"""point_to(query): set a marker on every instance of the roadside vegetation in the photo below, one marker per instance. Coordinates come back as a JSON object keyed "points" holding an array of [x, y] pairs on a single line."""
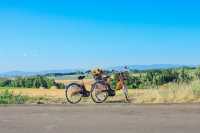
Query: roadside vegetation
{"points": [[20, 96], [8, 97], [171, 93], [176, 85]]}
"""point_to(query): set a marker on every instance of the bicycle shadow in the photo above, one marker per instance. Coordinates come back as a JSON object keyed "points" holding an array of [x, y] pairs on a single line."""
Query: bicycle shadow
{"points": [[119, 101], [116, 101]]}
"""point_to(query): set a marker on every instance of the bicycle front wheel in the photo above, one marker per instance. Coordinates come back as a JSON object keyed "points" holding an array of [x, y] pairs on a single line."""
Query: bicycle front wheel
{"points": [[74, 93], [99, 92]]}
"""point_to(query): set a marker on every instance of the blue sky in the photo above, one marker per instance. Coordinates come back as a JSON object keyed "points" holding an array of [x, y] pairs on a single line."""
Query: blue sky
{"points": [[58, 34]]}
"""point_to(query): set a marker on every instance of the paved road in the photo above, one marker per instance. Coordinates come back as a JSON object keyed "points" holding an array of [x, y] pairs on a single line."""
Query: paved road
{"points": [[109, 118]]}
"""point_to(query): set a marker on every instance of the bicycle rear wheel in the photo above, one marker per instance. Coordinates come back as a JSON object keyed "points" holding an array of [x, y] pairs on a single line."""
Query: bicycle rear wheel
{"points": [[99, 92], [74, 93]]}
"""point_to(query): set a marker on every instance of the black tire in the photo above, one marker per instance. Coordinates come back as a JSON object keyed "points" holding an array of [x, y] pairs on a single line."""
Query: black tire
{"points": [[67, 92], [94, 92]]}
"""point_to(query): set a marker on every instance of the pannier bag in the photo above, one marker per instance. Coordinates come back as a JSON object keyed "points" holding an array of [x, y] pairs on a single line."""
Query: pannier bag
{"points": [[111, 92]]}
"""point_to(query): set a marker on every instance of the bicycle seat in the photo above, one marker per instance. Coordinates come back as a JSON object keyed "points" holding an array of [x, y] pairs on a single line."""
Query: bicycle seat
{"points": [[81, 77]]}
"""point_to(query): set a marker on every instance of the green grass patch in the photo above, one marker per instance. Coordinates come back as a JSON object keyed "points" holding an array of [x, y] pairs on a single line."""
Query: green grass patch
{"points": [[8, 97]]}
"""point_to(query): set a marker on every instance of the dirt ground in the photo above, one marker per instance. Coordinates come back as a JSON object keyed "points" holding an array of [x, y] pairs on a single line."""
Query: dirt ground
{"points": [[101, 118]]}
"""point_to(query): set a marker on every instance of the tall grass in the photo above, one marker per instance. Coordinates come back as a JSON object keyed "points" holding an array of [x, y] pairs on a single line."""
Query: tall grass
{"points": [[8, 97], [172, 93]]}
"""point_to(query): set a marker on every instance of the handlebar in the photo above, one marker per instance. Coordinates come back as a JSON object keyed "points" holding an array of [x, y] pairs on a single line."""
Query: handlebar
{"points": [[126, 69]]}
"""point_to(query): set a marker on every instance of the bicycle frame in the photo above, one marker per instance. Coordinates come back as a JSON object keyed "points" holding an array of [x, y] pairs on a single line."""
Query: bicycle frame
{"points": [[84, 91]]}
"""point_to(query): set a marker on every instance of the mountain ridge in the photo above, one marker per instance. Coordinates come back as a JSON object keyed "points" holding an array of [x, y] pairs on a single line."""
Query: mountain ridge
{"points": [[152, 66], [118, 68]]}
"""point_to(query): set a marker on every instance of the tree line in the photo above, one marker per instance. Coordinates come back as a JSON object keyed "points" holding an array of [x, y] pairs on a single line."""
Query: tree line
{"points": [[155, 78], [30, 82]]}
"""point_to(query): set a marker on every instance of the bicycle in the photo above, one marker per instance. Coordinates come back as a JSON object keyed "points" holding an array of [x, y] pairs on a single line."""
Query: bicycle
{"points": [[100, 90], [102, 86]]}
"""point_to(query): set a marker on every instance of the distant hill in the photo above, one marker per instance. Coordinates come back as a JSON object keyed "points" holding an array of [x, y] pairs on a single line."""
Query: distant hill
{"points": [[66, 71], [148, 67], [16, 73], [25, 74]]}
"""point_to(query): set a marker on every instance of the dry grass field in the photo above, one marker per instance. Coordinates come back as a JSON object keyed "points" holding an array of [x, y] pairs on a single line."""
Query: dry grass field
{"points": [[54, 93], [170, 93]]}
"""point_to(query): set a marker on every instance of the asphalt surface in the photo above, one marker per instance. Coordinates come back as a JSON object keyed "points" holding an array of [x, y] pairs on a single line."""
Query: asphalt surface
{"points": [[108, 118]]}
